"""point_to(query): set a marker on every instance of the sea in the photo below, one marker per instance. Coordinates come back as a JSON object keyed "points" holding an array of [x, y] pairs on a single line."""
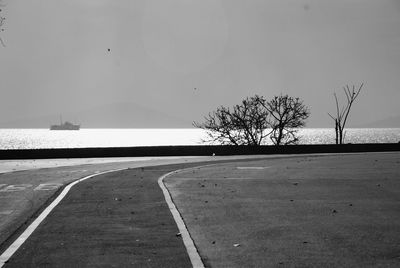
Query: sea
{"points": [[88, 138]]}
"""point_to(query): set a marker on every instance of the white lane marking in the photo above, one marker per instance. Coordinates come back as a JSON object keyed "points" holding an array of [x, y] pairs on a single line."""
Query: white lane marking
{"points": [[32, 227], [219, 178], [233, 178], [187, 240], [23, 187], [6, 212], [252, 167], [16, 188], [47, 186]]}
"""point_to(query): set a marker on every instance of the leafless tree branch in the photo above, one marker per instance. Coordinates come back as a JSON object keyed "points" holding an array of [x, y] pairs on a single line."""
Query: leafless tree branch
{"points": [[343, 113]]}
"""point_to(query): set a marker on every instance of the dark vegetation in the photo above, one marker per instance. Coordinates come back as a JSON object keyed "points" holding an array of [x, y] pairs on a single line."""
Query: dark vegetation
{"points": [[255, 119], [245, 124], [287, 115]]}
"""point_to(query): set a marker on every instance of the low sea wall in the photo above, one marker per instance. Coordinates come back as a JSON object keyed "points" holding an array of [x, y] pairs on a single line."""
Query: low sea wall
{"points": [[197, 150]]}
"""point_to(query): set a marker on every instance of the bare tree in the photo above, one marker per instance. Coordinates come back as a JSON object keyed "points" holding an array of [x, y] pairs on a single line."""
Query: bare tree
{"points": [[256, 119], [343, 112], [287, 114], [245, 124]]}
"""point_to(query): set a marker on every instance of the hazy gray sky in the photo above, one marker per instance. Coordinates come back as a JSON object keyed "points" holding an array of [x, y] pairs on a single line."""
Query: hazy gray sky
{"points": [[56, 57]]}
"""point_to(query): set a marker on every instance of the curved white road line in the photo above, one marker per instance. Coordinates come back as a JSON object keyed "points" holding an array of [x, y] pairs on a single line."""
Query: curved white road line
{"points": [[187, 240], [32, 227]]}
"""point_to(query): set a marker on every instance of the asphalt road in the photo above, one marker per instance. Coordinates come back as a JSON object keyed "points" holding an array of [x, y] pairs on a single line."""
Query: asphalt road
{"points": [[113, 220], [303, 211], [292, 211], [27, 186]]}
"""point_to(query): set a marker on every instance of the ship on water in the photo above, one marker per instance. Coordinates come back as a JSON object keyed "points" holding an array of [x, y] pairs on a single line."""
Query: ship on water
{"points": [[65, 126]]}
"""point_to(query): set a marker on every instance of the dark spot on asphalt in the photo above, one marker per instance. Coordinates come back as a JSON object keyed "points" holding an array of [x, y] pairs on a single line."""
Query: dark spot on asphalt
{"points": [[305, 242], [206, 201], [213, 242], [295, 183], [178, 234], [132, 212], [291, 200], [350, 205], [334, 211], [202, 185]]}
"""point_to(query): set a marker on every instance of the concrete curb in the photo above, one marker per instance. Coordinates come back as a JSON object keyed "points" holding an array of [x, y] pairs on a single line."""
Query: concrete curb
{"points": [[187, 240]]}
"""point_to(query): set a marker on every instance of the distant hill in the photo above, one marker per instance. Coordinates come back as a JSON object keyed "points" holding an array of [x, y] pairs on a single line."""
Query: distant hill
{"points": [[390, 122], [116, 115]]}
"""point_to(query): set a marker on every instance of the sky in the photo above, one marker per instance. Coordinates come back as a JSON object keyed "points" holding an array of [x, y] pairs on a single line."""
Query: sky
{"points": [[187, 57]]}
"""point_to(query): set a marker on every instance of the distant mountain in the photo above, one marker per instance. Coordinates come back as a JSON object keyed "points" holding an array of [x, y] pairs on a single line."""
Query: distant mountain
{"points": [[390, 122], [115, 115], [42, 121]]}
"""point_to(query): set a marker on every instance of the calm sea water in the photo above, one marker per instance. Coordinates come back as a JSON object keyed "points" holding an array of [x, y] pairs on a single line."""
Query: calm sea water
{"points": [[44, 138]]}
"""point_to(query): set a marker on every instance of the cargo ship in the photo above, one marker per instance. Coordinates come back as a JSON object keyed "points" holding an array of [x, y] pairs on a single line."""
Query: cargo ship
{"points": [[65, 126]]}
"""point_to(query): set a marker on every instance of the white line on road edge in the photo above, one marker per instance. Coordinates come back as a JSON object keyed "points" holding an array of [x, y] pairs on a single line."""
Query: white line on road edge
{"points": [[32, 227], [187, 240], [252, 167]]}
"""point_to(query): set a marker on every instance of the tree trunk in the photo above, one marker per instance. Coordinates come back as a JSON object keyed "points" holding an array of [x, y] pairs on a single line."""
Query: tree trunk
{"points": [[340, 135], [336, 132]]}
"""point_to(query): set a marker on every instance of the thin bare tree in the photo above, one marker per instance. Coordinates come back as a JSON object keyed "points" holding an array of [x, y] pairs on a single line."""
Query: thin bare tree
{"points": [[342, 113]]}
